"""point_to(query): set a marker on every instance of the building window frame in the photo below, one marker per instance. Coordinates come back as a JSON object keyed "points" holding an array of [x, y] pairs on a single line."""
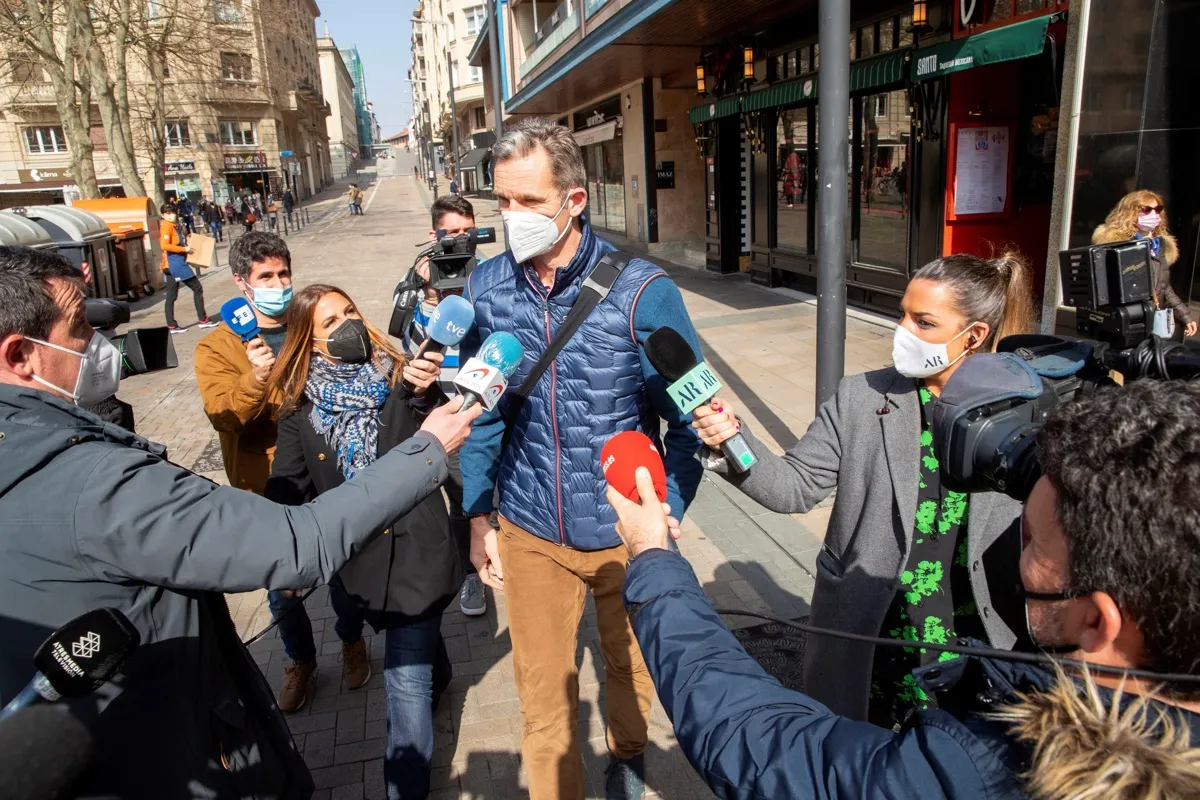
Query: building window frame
{"points": [[475, 17], [237, 67], [233, 132], [176, 133], [44, 140]]}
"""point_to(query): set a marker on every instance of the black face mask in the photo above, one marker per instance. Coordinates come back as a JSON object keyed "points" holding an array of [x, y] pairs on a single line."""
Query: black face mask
{"points": [[349, 342]]}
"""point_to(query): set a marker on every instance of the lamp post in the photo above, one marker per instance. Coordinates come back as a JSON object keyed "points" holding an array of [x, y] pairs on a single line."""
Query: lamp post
{"points": [[494, 59], [450, 76]]}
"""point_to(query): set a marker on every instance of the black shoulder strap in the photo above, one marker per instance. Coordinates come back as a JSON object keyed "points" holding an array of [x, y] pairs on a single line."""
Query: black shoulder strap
{"points": [[596, 287]]}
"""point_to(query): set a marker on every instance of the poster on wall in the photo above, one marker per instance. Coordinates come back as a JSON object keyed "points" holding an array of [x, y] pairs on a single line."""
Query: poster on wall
{"points": [[981, 170]]}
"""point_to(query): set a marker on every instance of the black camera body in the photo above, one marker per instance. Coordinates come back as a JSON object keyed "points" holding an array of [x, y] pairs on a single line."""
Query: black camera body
{"points": [[452, 258], [985, 426]]}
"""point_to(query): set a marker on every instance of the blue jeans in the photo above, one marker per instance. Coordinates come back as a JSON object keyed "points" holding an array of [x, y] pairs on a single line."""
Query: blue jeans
{"points": [[415, 662], [295, 629]]}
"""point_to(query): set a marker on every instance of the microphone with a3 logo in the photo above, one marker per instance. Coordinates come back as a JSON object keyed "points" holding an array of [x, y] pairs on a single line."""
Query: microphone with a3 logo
{"points": [[485, 377], [447, 326], [77, 658]]}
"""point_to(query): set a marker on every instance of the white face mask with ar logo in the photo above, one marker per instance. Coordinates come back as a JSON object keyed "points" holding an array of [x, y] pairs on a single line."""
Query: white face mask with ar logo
{"points": [[916, 358]]}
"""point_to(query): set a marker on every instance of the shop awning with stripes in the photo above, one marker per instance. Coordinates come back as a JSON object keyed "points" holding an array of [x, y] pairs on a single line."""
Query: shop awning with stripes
{"points": [[865, 75], [1009, 43]]}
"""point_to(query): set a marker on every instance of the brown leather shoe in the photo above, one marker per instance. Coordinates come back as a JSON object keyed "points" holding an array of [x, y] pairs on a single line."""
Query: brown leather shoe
{"points": [[356, 667], [294, 691]]}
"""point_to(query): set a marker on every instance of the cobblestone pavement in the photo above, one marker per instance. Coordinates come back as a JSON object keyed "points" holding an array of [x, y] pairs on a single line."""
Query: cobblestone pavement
{"points": [[761, 343]]}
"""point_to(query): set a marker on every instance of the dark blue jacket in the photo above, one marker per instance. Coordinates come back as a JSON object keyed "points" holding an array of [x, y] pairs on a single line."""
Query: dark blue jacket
{"points": [[749, 737], [550, 479]]}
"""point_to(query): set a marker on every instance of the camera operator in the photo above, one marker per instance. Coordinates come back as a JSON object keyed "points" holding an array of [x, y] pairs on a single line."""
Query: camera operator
{"points": [[92, 516], [451, 216], [1108, 574]]}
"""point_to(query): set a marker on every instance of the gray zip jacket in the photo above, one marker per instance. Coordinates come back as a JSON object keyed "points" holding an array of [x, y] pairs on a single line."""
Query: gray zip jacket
{"points": [[93, 516]]}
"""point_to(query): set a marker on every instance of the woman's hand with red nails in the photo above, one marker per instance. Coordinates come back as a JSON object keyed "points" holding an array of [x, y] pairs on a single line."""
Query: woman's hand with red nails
{"points": [[715, 422]]}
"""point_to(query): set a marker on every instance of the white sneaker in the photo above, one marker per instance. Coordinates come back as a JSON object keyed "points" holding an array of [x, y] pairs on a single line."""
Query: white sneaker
{"points": [[471, 599]]}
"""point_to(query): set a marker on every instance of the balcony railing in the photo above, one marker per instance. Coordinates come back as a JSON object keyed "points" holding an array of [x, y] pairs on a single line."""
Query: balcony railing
{"points": [[592, 6], [562, 23]]}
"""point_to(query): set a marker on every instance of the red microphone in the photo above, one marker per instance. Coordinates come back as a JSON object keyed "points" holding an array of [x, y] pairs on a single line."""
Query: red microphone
{"points": [[623, 454]]}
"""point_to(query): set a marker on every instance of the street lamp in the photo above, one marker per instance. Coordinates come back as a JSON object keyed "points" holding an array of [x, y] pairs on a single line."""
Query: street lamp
{"points": [[450, 75]]}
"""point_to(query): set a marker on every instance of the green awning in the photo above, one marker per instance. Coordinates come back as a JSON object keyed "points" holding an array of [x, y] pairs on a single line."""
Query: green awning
{"points": [[726, 106], [1009, 43], [881, 70], [784, 93]]}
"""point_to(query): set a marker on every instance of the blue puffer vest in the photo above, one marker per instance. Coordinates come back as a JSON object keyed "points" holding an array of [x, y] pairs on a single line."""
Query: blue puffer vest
{"points": [[550, 480]]}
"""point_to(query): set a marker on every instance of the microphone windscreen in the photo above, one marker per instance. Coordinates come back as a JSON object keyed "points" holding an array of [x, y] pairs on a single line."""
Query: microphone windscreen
{"points": [[670, 353], [623, 454], [106, 312], [502, 351], [87, 651], [450, 321], [239, 316], [43, 751]]}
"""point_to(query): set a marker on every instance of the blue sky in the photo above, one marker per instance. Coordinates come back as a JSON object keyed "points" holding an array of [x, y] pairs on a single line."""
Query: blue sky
{"points": [[382, 32]]}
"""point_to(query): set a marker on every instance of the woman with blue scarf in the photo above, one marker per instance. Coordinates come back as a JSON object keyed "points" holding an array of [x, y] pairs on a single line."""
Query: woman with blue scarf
{"points": [[343, 406]]}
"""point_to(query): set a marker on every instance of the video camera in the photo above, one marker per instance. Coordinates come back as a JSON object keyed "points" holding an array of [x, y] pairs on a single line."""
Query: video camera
{"points": [[985, 427], [452, 258]]}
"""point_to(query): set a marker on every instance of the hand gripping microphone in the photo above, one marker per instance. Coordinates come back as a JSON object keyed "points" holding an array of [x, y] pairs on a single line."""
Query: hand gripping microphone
{"points": [[77, 658], [239, 316], [43, 751], [447, 326], [692, 385], [623, 454], [485, 377]]}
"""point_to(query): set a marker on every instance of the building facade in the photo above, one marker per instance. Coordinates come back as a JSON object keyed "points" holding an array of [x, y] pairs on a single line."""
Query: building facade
{"points": [[367, 133], [342, 123], [248, 115]]}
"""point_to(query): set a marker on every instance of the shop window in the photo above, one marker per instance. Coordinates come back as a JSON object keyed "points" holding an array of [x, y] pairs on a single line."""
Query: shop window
{"points": [[236, 67], [853, 45], [866, 42], [805, 60], [238, 132], [793, 182], [1000, 10], [793, 66], [176, 133], [887, 35], [883, 194], [816, 64], [905, 35], [45, 139]]}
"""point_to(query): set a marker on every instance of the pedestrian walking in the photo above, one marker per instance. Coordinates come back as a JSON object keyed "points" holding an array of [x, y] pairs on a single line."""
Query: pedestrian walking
{"points": [[353, 200], [187, 212], [892, 514], [1142, 215], [454, 185], [339, 380], [557, 535], [210, 214], [176, 270], [230, 212]]}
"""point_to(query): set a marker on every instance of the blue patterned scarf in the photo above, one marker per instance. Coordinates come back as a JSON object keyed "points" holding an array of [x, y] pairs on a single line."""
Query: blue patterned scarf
{"points": [[346, 401]]}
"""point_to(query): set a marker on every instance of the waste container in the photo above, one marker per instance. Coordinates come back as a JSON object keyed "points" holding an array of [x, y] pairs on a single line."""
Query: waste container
{"points": [[84, 239], [16, 230], [125, 214], [133, 274]]}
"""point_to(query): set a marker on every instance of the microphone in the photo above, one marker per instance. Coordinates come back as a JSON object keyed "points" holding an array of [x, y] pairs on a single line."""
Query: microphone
{"points": [[239, 316], [447, 326], [77, 658], [43, 751], [485, 377], [692, 385], [623, 454]]}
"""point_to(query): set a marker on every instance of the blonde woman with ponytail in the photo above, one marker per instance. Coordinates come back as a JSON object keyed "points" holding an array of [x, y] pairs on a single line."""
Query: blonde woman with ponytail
{"points": [[904, 556]]}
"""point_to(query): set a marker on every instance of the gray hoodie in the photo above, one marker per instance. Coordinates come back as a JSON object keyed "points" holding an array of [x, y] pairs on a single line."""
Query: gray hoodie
{"points": [[93, 516]]}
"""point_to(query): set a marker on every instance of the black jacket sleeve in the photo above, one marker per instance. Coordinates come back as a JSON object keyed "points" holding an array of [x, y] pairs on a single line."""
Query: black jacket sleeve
{"points": [[290, 482]]}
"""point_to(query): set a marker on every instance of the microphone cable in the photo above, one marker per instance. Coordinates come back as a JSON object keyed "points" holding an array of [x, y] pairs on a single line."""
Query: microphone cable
{"points": [[299, 601], [1038, 659]]}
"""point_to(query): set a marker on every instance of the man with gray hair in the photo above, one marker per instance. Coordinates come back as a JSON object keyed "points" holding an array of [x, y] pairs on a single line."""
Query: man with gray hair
{"points": [[557, 534]]}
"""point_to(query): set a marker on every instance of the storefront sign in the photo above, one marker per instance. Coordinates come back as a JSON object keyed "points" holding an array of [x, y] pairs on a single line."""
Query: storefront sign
{"points": [[665, 174], [601, 133], [44, 174], [180, 166], [245, 162], [600, 114]]}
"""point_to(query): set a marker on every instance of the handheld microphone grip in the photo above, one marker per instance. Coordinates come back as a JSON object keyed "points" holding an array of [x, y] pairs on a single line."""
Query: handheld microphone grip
{"points": [[447, 326], [738, 452]]}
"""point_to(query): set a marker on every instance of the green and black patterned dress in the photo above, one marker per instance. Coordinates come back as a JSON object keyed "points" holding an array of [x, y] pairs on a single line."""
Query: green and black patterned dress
{"points": [[933, 601]]}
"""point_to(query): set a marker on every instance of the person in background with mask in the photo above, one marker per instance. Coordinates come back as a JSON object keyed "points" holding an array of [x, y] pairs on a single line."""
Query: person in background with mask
{"points": [[557, 534], [176, 270], [342, 406], [1140, 215], [904, 555], [93, 516]]}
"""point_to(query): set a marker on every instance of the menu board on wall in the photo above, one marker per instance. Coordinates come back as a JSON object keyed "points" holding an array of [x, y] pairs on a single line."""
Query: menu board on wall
{"points": [[981, 167]]}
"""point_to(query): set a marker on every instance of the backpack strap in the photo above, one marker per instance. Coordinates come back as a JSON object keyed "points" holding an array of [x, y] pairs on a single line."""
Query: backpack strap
{"points": [[596, 287]]}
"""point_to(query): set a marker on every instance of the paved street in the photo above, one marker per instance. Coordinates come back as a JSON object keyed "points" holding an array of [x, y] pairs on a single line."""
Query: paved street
{"points": [[761, 343]]}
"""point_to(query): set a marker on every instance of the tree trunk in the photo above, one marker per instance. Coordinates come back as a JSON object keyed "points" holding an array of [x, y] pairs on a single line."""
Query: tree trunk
{"points": [[156, 61]]}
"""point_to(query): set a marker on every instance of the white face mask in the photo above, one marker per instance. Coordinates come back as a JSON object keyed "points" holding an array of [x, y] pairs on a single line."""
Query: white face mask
{"points": [[530, 234], [99, 370], [1148, 222], [916, 358]]}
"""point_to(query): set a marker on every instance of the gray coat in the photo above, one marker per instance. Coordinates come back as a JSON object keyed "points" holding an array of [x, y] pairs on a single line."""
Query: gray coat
{"points": [[865, 442], [93, 516]]}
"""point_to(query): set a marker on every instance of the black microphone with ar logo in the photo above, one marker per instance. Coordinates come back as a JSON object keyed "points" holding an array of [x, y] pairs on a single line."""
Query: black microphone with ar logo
{"points": [[77, 658]]}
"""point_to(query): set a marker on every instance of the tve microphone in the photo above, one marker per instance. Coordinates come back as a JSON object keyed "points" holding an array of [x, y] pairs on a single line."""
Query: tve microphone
{"points": [[447, 326], [78, 658], [239, 316], [485, 377], [623, 454], [43, 751], [692, 385]]}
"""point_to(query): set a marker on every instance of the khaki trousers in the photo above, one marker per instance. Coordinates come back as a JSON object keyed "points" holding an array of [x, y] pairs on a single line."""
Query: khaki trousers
{"points": [[544, 587]]}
